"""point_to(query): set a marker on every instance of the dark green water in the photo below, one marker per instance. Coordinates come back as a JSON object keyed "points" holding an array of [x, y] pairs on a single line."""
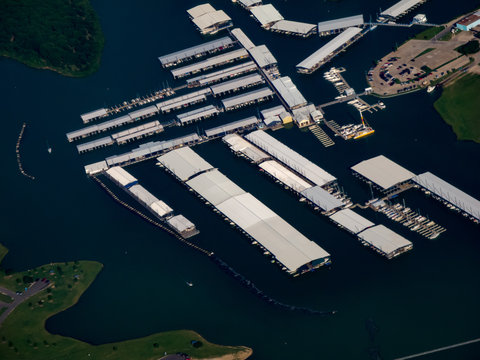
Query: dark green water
{"points": [[422, 300]]}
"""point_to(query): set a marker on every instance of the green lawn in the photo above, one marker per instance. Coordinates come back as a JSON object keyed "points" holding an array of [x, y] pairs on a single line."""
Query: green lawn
{"points": [[64, 36], [458, 106], [429, 33], [5, 298], [23, 334]]}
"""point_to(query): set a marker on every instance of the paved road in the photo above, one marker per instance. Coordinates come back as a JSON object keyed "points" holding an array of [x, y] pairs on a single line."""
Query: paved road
{"points": [[36, 287]]}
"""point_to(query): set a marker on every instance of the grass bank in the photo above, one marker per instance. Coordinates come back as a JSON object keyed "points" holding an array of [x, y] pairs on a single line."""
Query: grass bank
{"points": [[458, 106], [23, 334], [63, 36], [429, 33]]}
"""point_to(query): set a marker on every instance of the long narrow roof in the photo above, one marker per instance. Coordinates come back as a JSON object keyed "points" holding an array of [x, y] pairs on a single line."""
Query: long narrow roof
{"points": [[322, 198], [400, 7], [291, 158], [184, 163], [121, 176], [93, 114], [239, 144], [262, 56], [384, 239], [94, 144], [295, 27], [383, 171], [243, 39], [253, 95], [449, 192], [197, 114], [200, 10], [351, 220], [210, 19], [341, 23], [330, 47], [143, 112], [289, 92], [224, 73], [289, 178], [232, 126], [238, 83], [266, 14], [195, 50]]}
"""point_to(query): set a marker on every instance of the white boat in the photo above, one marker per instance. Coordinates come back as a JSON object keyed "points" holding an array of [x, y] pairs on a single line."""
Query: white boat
{"points": [[430, 89]]}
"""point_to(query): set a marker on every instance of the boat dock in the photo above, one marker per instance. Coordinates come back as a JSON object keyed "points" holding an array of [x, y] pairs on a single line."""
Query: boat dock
{"points": [[224, 74], [321, 135], [246, 99], [17, 150], [197, 115]]}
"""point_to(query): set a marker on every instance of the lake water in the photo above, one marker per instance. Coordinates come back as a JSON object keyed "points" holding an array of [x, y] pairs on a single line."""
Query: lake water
{"points": [[425, 299]]}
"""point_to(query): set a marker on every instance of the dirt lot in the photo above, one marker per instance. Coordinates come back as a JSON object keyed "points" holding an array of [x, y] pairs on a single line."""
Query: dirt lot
{"points": [[414, 64]]}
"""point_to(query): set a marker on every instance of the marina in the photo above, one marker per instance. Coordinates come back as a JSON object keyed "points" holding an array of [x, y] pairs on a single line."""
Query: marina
{"points": [[246, 99], [197, 115], [292, 251], [224, 74], [232, 127], [330, 27], [237, 84], [183, 101], [385, 241], [243, 148], [399, 9], [208, 20], [295, 28], [138, 132]]}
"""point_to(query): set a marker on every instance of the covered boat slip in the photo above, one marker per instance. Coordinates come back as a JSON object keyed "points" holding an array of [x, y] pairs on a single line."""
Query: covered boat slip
{"points": [[237, 84], [285, 176], [449, 193], [137, 132], [151, 149], [243, 39], [143, 196], [332, 26], [197, 114], [322, 198], [385, 241], [289, 92], [196, 52], [92, 115], [223, 74], [95, 144], [183, 101], [266, 15], [290, 158], [182, 225], [350, 220], [121, 177], [262, 56], [249, 98], [241, 146], [400, 8], [234, 126], [383, 172], [294, 28], [95, 129], [210, 63], [184, 163]]}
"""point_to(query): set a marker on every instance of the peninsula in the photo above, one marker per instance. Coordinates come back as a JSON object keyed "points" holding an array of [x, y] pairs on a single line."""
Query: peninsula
{"points": [[63, 36], [55, 287]]}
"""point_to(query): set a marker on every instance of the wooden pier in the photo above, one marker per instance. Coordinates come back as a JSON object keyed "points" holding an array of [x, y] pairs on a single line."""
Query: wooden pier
{"points": [[321, 135]]}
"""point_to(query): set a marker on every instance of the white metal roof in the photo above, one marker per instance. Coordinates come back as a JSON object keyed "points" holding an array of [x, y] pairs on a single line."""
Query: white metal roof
{"points": [[160, 208], [142, 194], [224, 73], [140, 133], [121, 176], [181, 99], [230, 127], [450, 193], [238, 83], [195, 50], [294, 27], [93, 114], [342, 23], [135, 129], [143, 112], [214, 187], [322, 198], [180, 223], [184, 163], [384, 239], [199, 10], [212, 18], [289, 92], [273, 111], [150, 149], [326, 50], [290, 158], [254, 95], [96, 168], [280, 172], [351, 220], [104, 141], [210, 62], [262, 56], [287, 244], [239, 144], [266, 14], [243, 39], [400, 7], [196, 114], [248, 3], [383, 171]]}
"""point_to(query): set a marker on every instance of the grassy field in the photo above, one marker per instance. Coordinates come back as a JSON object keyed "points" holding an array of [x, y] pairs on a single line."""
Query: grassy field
{"points": [[3, 252], [23, 334], [5, 298], [64, 36], [429, 33], [458, 106]]}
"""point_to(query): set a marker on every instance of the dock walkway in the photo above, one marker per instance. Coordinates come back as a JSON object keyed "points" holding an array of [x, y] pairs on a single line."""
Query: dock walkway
{"points": [[321, 135]]}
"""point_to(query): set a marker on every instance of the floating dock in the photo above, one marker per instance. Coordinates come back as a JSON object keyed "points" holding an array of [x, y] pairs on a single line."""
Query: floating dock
{"points": [[451, 196], [336, 26], [94, 115], [234, 126], [237, 84], [223, 74], [138, 132], [197, 115], [196, 52], [385, 241], [95, 144], [287, 90], [287, 247], [262, 57], [329, 50], [209, 63], [291, 158], [266, 15], [242, 147], [399, 9], [243, 39], [246, 99], [183, 101], [208, 20], [295, 28]]}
